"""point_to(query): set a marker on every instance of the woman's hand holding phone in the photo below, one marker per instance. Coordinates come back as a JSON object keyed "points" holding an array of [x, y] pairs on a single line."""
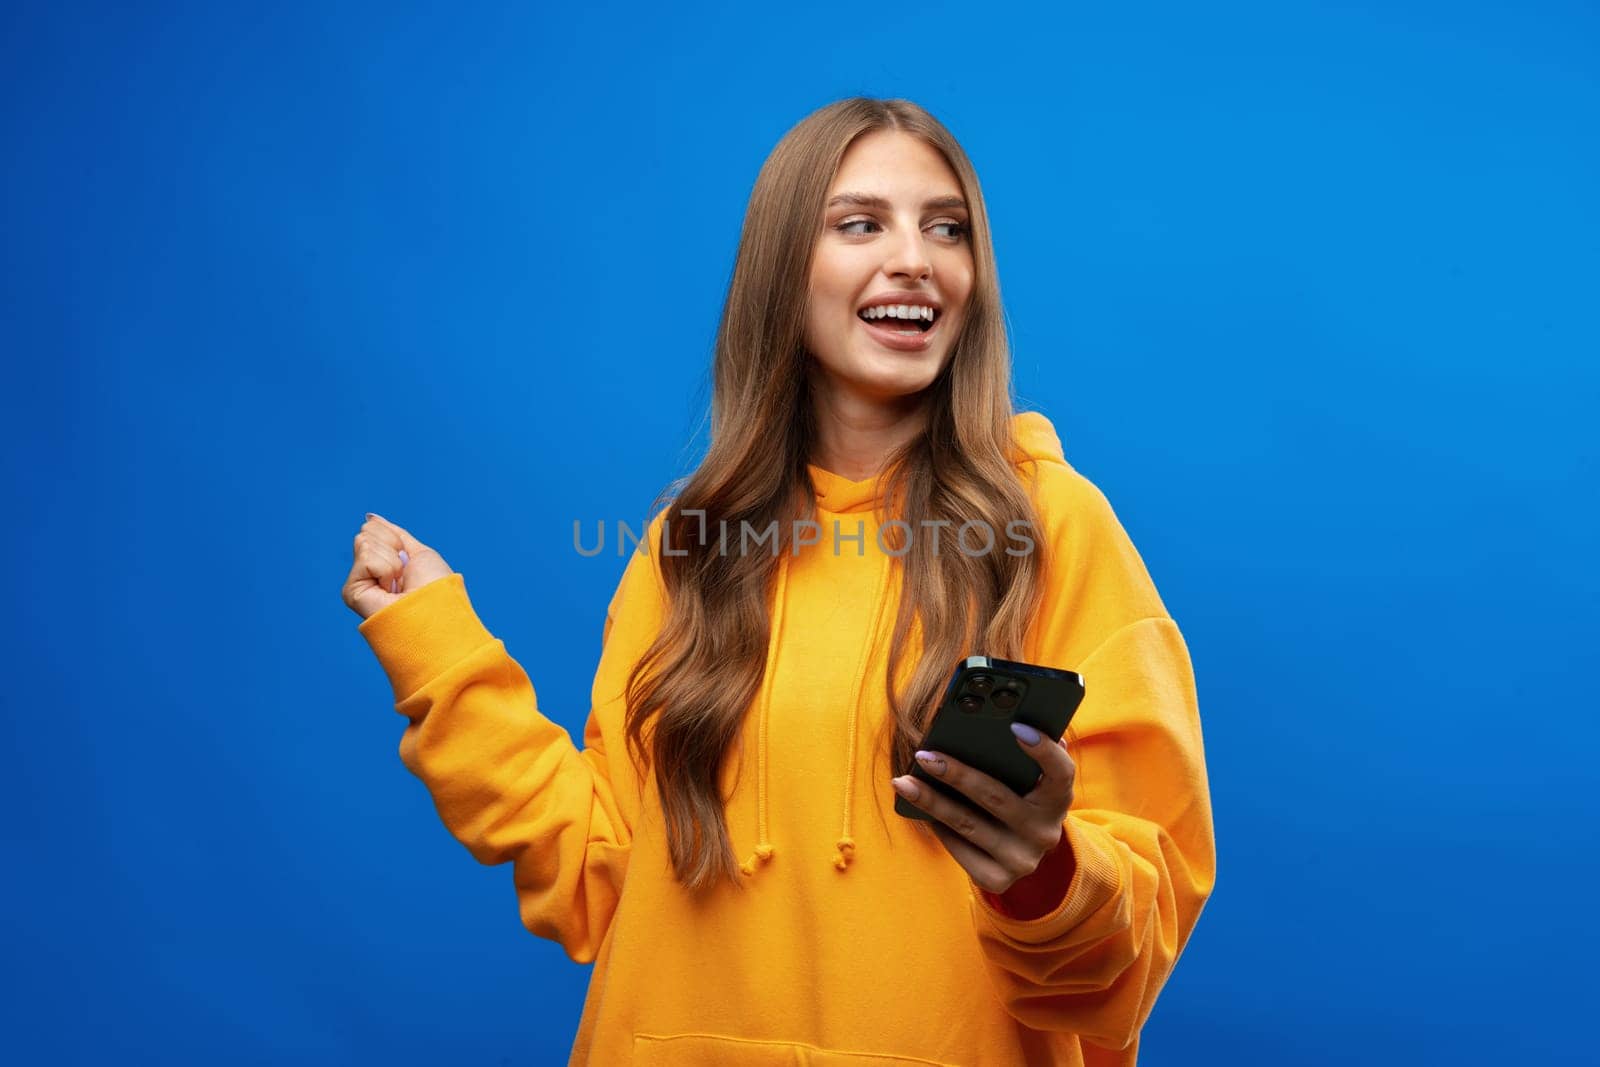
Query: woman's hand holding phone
{"points": [[998, 852], [389, 563]]}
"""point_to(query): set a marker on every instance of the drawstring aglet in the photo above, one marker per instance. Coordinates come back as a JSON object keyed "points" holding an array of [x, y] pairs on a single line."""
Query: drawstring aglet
{"points": [[763, 853]]}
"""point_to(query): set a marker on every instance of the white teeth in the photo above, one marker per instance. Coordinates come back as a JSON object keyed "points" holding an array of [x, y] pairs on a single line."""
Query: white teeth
{"points": [[899, 311]]}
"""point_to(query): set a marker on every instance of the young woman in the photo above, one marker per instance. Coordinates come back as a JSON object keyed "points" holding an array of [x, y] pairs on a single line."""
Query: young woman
{"points": [[870, 511]]}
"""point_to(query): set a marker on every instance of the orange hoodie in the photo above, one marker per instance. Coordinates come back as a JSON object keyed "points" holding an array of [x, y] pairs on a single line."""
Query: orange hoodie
{"points": [[856, 940]]}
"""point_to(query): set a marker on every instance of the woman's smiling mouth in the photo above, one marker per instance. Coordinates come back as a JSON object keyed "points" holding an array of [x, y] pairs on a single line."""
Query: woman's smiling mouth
{"points": [[902, 335], [903, 321]]}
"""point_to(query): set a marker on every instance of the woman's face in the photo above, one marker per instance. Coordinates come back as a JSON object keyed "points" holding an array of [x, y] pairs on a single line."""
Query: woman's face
{"points": [[893, 229]]}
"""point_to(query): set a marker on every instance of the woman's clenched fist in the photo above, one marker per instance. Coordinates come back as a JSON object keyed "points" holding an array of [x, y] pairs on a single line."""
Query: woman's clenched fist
{"points": [[389, 563]]}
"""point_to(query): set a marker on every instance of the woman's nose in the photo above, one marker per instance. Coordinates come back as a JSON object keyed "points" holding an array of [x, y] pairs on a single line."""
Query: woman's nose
{"points": [[909, 257]]}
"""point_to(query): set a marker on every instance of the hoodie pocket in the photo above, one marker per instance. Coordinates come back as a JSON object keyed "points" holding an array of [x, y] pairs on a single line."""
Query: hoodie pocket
{"points": [[711, 1050]]}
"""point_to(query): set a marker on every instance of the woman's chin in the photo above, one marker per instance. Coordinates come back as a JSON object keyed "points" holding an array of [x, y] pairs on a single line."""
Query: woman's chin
{"points": [[874, 372], [895, 376]]}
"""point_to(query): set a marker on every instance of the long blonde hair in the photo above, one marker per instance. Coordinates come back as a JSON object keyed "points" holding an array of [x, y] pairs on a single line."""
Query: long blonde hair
{"points": [[702, 673]]}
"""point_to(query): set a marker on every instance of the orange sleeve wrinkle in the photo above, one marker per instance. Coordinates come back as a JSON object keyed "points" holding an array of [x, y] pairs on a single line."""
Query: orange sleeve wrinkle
{"points": [[1139, 830], [507, 781]]}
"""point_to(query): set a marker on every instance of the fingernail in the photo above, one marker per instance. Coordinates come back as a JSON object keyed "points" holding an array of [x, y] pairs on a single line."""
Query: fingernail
{"points": [[1029, 735], [905, 787], [404, 559], [930, 761], [369, 516]]}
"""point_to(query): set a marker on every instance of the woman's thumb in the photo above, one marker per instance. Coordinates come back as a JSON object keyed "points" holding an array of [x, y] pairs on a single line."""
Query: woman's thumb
{"points": [[410, 544]]}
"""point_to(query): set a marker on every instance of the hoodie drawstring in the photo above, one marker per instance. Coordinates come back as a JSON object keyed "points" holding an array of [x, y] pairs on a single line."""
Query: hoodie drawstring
{"points": [[844, 848], [764, 848]]}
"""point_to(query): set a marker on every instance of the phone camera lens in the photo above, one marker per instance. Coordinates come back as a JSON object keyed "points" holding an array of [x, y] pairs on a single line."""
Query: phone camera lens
{"points": [[981, 684], [970, 703], [1006, 699]]}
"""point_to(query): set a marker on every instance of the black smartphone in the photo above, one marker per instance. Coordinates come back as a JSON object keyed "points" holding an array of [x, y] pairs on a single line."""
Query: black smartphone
{"points": [[973, 723]]}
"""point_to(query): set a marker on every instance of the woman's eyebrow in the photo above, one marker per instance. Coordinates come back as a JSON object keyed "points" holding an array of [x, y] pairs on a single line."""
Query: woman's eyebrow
{"points": [[869, 200]]}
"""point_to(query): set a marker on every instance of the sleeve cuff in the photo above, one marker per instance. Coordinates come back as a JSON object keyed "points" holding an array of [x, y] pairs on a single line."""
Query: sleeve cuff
{"points": [[424, 633], [1094, 881]]}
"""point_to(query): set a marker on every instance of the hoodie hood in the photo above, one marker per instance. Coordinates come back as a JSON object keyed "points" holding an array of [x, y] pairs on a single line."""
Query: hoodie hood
{"points": [[1033, 439]]}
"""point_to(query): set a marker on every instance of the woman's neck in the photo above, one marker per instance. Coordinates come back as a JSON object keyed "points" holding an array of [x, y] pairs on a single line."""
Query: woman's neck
{"points": [[856, 435]]}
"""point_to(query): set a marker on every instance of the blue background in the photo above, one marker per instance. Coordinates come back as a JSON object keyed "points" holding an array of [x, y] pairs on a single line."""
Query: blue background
{"points": [[1309, 291]]}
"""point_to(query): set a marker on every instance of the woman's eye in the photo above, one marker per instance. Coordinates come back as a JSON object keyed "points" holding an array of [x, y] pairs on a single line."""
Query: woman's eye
{"points": [[957, 229]]}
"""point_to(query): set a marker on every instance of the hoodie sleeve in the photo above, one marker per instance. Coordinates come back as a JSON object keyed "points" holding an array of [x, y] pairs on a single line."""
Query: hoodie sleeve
{"points": [[1140, 826], [508, 782]]}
